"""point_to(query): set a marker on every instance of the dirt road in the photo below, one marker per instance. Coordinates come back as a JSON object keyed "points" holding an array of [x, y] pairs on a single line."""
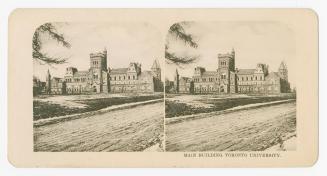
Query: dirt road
{"points": [[247, 130], [132, 129]]}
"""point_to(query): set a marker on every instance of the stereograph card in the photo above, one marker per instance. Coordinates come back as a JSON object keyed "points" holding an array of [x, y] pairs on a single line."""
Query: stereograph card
{"points": [[163, 88]]}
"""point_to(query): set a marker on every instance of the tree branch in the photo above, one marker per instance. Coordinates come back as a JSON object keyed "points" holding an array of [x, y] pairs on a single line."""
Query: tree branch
{"points": [[49, 29], [171, 58], [179, 32]]}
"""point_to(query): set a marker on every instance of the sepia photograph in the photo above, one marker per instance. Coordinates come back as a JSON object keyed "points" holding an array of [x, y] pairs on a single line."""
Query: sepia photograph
{"points": [[97, 87], [230, 86], [189, 88]]}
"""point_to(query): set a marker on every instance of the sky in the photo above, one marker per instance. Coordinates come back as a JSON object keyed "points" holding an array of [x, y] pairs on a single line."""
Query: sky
{"points": [[268, 42], [125, 43]]}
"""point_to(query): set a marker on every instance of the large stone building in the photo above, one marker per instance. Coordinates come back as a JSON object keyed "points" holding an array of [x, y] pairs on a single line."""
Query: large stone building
{"points": [[133, 79], [228, 79], [100, 79]]}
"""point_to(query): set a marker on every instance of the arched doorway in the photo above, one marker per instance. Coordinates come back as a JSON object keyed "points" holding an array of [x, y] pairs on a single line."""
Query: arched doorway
{"points": [[222, 89]]}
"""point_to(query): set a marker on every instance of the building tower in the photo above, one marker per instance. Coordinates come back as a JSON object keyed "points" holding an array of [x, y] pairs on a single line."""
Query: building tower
{"points": [[99, 60], [226, 64], [282, 71], [176, 81], [48, 83], [233, 54], [156, 70], [98, 70]]}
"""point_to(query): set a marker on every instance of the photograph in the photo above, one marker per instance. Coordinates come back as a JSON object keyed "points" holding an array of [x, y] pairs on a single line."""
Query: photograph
{"points": [[97, 87], [230, 86], [167, 88]]}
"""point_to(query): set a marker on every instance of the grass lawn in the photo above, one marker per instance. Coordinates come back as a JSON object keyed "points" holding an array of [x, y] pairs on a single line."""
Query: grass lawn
{"points": [[176, 108], [47, 109]]}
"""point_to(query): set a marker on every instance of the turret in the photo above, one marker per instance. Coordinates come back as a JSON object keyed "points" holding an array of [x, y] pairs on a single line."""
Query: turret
{"points": [[176, 81], [156, 70], [48, 82], [283, 72]]}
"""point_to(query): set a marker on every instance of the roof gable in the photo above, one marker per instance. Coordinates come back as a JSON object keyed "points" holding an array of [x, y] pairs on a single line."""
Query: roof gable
{"points": [[118, 70], [245, 71]]}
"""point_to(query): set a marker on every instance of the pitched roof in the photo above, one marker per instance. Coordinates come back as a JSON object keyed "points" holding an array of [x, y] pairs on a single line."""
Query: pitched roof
{"points": [[210, 73], [273, 75], [185, 78], [245, 71], [81, 73], [57, 78], [146, 74], [118, 70]]}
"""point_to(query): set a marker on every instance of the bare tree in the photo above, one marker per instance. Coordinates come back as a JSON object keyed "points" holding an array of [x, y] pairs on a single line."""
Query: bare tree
{"points": [[177, 30], [50, 30]]}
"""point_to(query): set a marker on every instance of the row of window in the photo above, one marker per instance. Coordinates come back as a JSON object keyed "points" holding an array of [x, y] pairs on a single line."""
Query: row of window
{"points": [[250, 89], [223, 63], [223, 76], [76, 89], [124, 77], [96, 77], [250, 78], [205, 79], [95, 62], [80, 79], [251, 83], [127, 82], [198, 89], [129, 88]]}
